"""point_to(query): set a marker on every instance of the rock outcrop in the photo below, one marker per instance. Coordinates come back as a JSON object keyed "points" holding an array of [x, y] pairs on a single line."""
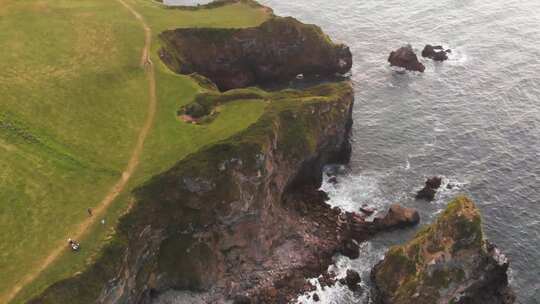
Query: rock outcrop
{"points": [[437, 52], [397, 217], [405, 57], [352, 279], [430, 189], [447, 262], [274, 52]]}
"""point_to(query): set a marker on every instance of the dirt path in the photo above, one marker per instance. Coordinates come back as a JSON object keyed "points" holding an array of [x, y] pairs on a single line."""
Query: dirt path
{"points": [[113, 193]]}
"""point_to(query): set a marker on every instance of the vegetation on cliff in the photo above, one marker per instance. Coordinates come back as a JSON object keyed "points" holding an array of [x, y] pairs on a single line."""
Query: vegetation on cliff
{"points": [[447, 262]]}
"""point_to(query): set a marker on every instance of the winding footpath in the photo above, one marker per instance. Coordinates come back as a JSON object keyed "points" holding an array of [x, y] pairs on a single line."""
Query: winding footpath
{"points": [[120, 185]]}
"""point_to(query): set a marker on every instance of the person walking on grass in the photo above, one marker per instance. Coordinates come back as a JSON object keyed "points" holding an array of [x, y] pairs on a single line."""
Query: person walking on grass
{"points": [[89, 211]]}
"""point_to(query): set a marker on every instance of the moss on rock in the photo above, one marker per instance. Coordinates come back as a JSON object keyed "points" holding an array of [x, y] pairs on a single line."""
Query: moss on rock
{"points": [[441, 263]]}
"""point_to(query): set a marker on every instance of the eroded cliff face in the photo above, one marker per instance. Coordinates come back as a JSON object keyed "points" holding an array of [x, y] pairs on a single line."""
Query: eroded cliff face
{"points": [[447, 262], [220, 222], [239, 220], [274, 52]]}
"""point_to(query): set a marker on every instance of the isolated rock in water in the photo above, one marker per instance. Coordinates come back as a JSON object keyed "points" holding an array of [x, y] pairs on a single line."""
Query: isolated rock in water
{"points": [[436, 53], [406, 58], [276, 51], [430, 189], [397, 217], [316, 297], [351, 279], [447, 262]]}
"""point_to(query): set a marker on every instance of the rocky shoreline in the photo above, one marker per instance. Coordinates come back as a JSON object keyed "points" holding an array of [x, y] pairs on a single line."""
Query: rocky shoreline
{"points": [[243, 220]]}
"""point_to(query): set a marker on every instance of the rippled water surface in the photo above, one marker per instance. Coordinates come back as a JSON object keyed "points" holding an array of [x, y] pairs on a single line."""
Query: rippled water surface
{"points": [[474, 119]]}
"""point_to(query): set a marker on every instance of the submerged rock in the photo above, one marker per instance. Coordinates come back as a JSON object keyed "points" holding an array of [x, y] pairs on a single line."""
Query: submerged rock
{"points": [[447, 262], [430, 189], [352, 279], [278, 50], [436, 53], [406, 58]]}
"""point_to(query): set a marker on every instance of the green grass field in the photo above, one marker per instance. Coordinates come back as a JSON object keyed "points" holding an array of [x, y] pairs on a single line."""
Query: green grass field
{"points": [[72, 101]]}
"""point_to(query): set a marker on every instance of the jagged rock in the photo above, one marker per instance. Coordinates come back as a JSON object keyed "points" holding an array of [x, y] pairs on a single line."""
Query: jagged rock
{"points": [[367, 210], [406, 58], [436, 53], [352, 279], [276, 51], [447, 262], [333, 180], [397, 217], [350, 249], [430, 189], [316, 297]]}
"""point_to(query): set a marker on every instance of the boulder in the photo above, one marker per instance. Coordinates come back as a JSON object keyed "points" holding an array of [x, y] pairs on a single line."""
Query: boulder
{"points": [[436, 53], [406, 58], [447, 262], [430, 189], [352, 279], [367, 210], [397, 217], [316, 298]]}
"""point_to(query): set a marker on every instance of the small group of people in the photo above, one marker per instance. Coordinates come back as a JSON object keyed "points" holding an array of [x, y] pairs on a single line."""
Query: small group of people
{"points": [[74, 245]]}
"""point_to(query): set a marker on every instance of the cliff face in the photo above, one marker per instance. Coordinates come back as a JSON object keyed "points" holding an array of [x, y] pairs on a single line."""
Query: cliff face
{"points": [[275, 51], [219, 221], [447, 262], [241, 219]]}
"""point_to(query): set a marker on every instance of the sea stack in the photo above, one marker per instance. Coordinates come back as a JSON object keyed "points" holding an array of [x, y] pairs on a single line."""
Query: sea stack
{"points": [[436, 52], [449, 261], [405, 57]]}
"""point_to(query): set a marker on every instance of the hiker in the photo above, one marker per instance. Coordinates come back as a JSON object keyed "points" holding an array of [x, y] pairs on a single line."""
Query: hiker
{"points": [[74, 245], [89, 211]]}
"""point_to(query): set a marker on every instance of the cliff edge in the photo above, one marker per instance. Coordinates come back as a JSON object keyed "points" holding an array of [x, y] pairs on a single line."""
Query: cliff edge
{"points": [[274, 52]]}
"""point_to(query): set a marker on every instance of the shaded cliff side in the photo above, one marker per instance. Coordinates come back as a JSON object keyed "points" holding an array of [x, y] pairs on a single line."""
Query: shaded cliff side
{"points": [[447, 262], [276, 51]]}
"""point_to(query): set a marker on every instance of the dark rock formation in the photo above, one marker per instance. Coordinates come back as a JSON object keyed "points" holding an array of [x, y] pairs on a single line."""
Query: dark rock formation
{"points": [[436, 53], [276, 51], [430, 189], [406, 58], [316, 298], [352, 280], [397, 217], [447, 262]]}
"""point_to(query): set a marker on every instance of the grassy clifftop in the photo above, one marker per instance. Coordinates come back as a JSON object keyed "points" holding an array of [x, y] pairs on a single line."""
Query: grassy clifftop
{"points": [[74, 99]]}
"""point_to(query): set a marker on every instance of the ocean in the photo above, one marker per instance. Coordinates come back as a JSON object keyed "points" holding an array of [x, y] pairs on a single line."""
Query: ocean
{"points": [[474, 119]]}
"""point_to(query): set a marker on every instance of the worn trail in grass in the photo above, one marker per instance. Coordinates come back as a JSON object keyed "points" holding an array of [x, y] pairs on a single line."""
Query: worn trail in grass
{"points": [[74, 101], [147, 64]]}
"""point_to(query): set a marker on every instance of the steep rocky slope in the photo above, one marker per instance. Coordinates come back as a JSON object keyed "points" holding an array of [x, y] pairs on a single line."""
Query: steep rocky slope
{"points": [[447, 262], [275, 51]]}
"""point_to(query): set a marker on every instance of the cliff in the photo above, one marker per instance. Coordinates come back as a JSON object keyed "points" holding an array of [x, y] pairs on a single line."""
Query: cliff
{"points": [[229, 220], [447, 262], [276, 51]]}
